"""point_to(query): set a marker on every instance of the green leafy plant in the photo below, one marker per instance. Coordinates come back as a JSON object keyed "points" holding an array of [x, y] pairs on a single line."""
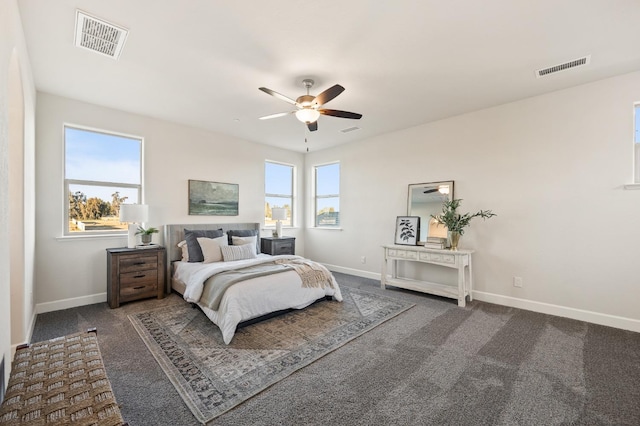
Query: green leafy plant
{"points": [[147, 231], [456, 222]]}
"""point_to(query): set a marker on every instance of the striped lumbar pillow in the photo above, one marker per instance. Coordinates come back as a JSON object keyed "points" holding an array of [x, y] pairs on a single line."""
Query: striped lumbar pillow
{"points": [[245, 251]]}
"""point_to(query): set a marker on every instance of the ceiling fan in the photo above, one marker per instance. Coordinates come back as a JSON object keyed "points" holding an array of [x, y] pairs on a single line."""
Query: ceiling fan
{"points": [[308, 107], [442, 189]]}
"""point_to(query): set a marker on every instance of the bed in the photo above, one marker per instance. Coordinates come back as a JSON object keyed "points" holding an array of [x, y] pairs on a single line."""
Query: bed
{"points": [[255, 286]]}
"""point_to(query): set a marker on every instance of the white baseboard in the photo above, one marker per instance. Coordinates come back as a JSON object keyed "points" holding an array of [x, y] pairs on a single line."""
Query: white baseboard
{"points": [[58, 305], [356, 272], [32, 325], [529, 305], [560, 311]]}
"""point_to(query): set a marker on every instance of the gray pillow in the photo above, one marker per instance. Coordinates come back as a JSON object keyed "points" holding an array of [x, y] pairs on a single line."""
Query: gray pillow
{"points": [[193, 246], [243, 233]]}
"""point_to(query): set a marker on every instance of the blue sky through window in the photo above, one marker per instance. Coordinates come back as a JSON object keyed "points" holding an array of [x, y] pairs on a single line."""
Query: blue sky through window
{"points": [[278, 178], [101, 157], [328, 179]]}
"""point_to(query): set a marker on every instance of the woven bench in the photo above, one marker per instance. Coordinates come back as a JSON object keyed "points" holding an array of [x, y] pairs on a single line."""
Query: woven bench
{"points": [[60, 381]]}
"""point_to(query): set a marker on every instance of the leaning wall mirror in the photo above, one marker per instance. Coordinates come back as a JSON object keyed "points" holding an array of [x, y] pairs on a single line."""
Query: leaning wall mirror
{"points": [[424, 200]]}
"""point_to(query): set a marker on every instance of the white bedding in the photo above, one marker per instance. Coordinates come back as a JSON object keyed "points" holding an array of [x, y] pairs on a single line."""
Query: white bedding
{"points": [[252, 298]]}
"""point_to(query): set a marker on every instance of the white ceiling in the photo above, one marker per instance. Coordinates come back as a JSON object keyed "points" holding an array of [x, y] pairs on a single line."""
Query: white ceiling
{"points": [[402, 62]]}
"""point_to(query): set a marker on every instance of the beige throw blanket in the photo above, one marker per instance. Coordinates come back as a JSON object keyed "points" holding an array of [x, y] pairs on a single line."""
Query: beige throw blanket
{"points": [[311, 273]]}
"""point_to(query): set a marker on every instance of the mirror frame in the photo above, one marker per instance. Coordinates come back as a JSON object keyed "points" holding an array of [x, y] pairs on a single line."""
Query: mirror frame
{"points": [[425, 220]]}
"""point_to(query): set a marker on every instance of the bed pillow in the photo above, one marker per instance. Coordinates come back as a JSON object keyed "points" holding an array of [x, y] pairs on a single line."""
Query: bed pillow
{"points": [[193, 247], [244, 233], [185, 251], [240, 241], [211, 248], [245, 251]]}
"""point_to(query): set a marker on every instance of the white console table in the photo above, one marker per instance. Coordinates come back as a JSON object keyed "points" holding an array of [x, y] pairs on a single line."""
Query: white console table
{"points": [[458, 259]]}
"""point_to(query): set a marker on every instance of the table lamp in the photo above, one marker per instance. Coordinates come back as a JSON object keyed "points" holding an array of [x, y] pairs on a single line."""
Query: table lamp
{"points": [[134, 214], [278, 215]]}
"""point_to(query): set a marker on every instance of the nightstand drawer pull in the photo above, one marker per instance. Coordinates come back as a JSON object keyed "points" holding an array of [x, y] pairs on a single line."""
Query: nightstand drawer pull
{"points": [[139, 287], [139, 276], [139, 263]]}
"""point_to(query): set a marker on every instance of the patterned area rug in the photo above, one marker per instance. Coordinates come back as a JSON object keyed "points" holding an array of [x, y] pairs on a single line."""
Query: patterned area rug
{"points": [[213, 377]]}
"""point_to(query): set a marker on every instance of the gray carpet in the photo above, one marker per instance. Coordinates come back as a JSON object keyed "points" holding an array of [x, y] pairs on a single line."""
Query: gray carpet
{"points": [[433, 364]]}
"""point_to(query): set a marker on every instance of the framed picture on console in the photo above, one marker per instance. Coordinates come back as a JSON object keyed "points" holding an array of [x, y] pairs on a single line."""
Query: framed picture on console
{"points": [[407, 230]]}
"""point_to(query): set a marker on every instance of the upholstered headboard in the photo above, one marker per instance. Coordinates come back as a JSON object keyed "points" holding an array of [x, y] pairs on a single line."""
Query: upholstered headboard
{"points": [[173, 234]]}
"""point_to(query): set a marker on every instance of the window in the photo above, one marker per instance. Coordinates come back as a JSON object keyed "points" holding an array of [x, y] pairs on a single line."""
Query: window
{"points": [[636, 145], [101, 171], [327, 195], [278, 191]]}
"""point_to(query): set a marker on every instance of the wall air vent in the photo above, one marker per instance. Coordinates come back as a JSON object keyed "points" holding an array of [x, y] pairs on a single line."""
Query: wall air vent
{"points": [[350, 129], [99, 36], [563, 67]]}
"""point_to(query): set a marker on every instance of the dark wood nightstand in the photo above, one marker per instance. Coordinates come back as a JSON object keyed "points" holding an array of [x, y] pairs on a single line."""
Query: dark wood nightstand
{"points": [[134, 274], [274, 246]]}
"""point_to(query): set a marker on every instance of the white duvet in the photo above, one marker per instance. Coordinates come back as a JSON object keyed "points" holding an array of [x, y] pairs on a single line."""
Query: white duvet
{"points": [[252, 298]]}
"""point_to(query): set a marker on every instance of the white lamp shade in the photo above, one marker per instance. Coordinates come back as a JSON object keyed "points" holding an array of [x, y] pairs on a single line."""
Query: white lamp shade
{"points": [[278, 214], [134, 213]]}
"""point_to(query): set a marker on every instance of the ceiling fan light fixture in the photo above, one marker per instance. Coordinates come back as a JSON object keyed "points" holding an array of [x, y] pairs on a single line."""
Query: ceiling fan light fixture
{"points": [[443, 189], [307, 115]]}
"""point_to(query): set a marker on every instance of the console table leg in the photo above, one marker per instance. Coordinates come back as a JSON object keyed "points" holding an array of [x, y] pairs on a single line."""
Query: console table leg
{"points": [[383, 278], [470, 280], [461, 289]]}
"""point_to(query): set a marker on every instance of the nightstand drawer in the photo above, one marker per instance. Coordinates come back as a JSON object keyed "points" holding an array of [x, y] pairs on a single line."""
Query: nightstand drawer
{"points": [[132, 279], [138, 263], [285, 247], [138, 292]]}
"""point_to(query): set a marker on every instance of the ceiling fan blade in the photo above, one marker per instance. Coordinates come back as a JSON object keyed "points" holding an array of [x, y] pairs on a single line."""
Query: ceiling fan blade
{"points": [[280, 114], [312, 126], [341, 114], [328, 94], [278, 95], [429, 191]]}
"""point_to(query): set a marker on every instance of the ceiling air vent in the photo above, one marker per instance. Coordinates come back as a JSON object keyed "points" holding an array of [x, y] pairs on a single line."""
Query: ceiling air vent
{"points": [[563, 67], [99, 36], [350, 129]]}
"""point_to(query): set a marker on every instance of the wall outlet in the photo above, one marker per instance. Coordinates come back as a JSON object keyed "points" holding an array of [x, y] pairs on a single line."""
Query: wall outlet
{"points": [[517, 282], [363, 259]]}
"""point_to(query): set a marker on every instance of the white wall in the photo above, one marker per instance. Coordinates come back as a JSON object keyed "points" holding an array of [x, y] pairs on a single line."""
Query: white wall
{"points": [[72, 271], [17, 96], [552, 167]]}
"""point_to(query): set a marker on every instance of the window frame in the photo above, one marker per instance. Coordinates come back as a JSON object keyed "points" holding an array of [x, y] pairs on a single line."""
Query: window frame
{"points": [[636, 143], [292, 197], [316, 196], [69, 182]]}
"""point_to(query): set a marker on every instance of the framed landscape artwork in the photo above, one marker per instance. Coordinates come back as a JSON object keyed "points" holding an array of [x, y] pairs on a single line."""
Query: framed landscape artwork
{"points": [[213, 198], [407, 230]]}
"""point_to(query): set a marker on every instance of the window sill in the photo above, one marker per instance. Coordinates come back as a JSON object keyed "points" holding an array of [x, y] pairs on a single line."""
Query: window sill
{"points": [[632, 186], [66, 238], [323, 228]]}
